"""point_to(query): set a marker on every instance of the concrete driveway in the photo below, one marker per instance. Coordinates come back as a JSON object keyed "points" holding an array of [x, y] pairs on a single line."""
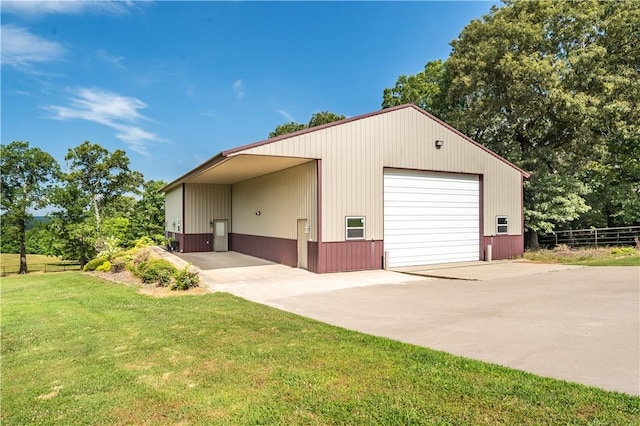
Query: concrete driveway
{"points": [[578, 324]]}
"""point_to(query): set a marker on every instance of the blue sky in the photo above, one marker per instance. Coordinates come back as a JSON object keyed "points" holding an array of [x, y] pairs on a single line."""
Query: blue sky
{"points": [[175, 83]]}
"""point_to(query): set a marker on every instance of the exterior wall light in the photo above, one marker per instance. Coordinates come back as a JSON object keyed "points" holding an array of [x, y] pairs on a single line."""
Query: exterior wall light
{"points": [[439, 144], [258, 212]]}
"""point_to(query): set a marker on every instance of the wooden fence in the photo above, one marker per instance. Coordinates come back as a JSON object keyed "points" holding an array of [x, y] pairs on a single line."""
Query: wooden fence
{"points": [[593, 237]]}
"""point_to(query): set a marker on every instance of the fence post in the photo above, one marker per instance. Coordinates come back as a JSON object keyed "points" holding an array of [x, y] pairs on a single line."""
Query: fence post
{"points": [[45, 268], [596, 238]]}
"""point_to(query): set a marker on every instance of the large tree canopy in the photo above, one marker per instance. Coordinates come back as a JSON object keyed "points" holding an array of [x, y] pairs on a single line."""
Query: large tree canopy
{"points": [[96, 182], [26, 177], [553, 87], [101, 176]]}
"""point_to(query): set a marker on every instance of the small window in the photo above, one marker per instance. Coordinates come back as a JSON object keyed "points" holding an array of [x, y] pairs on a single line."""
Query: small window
{"points": [[355, 228], [502, 224]]}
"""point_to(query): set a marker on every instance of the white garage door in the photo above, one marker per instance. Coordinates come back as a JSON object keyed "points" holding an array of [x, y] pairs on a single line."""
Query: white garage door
{"points": [[431, 217]]}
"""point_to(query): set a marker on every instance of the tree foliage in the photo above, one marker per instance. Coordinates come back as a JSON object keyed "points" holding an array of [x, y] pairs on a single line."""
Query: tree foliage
{"points": [[283, 129], [427, 89], [324, 117], [147, 218], [101, 176], [317, 119], [27, 175]]}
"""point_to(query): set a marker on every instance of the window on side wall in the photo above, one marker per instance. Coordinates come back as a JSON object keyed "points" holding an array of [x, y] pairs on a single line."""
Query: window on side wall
{"points": [[354, 227], [502, 225]]}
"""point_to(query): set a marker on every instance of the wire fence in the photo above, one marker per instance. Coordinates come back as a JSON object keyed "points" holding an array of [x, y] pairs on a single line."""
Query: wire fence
{"points": [[40, 267], [593, 237]]}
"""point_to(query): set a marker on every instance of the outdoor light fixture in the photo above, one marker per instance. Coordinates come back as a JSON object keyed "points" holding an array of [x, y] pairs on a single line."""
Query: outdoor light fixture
{"points": [[211, 223], [439, 144], [258, 212]]}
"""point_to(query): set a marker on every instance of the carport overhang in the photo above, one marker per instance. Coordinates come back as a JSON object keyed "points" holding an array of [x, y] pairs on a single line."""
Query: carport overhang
{"points": [[230, 169]]}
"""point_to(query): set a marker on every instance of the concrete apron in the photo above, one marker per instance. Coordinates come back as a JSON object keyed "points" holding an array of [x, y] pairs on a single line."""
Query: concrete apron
{"points": [[482, 271]]}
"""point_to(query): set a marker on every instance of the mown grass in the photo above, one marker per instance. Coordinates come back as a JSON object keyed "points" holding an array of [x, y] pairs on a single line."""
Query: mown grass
{"points": [[79, 350], [10, 263], [604, 256]]}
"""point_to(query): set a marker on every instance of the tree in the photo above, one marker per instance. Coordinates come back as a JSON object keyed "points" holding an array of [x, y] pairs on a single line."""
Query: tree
{"points": [[324, 117], [283, 129], [101, 176], [96, 185], [317, 119], [426, 89], [72, 224], [148, 213], [26, 179]]}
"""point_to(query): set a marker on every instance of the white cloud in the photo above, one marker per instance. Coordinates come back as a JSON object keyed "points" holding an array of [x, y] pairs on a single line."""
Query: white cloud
{"points": [[211, 114], [110, 109], [105, 56], [285, 114], [65, 7], [238, 88], [21, 49]]}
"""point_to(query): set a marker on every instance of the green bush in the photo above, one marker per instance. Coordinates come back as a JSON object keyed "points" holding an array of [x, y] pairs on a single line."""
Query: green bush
{"points": [[94, 263], [185, 279], [144, 242], [141, 255], [105, 267], [155, 271], [118, 264], [624, 251]]}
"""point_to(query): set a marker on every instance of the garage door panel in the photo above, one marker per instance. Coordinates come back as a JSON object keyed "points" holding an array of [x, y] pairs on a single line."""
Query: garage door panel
{"points": [[430, 217]]}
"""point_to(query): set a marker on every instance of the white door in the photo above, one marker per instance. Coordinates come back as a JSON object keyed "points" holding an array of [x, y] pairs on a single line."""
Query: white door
{"points": [[431, 217], [220, 236]]}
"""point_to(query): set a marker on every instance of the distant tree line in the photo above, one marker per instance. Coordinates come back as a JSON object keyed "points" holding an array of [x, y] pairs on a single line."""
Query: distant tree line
{"points": [[95, 199]]}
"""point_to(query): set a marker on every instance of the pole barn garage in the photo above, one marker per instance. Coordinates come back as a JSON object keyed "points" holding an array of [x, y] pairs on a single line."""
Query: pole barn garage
{"points": [[337, 197]]}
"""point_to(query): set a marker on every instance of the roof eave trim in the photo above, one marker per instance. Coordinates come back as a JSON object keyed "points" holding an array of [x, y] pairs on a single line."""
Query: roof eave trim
{"points": [[194, 172]]}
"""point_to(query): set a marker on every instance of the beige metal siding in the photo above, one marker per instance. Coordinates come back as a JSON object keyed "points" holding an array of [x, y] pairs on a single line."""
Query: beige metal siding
{"points": [[173, 209], [355, 154], [281, 198], [205, 202]]}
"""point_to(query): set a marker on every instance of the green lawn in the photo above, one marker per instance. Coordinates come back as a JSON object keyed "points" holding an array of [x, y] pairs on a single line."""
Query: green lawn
{"points": [[78, 350], [10, 263]]}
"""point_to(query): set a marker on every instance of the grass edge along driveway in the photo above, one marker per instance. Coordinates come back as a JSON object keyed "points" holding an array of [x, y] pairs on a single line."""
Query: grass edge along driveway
{"points": [[79, 350]]}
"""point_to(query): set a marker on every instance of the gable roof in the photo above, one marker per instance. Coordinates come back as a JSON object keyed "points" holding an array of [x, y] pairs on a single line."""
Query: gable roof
{"points": [[229, 152]]}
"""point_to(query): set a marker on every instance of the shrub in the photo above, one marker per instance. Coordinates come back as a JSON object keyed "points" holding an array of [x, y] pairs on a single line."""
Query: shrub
{"points": [[94, 263], [108, 247], [156, 271], [105, 267], [185, 278], [141, 255], [165, 277], [118, 264], [144, 242], [624, 251]]}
